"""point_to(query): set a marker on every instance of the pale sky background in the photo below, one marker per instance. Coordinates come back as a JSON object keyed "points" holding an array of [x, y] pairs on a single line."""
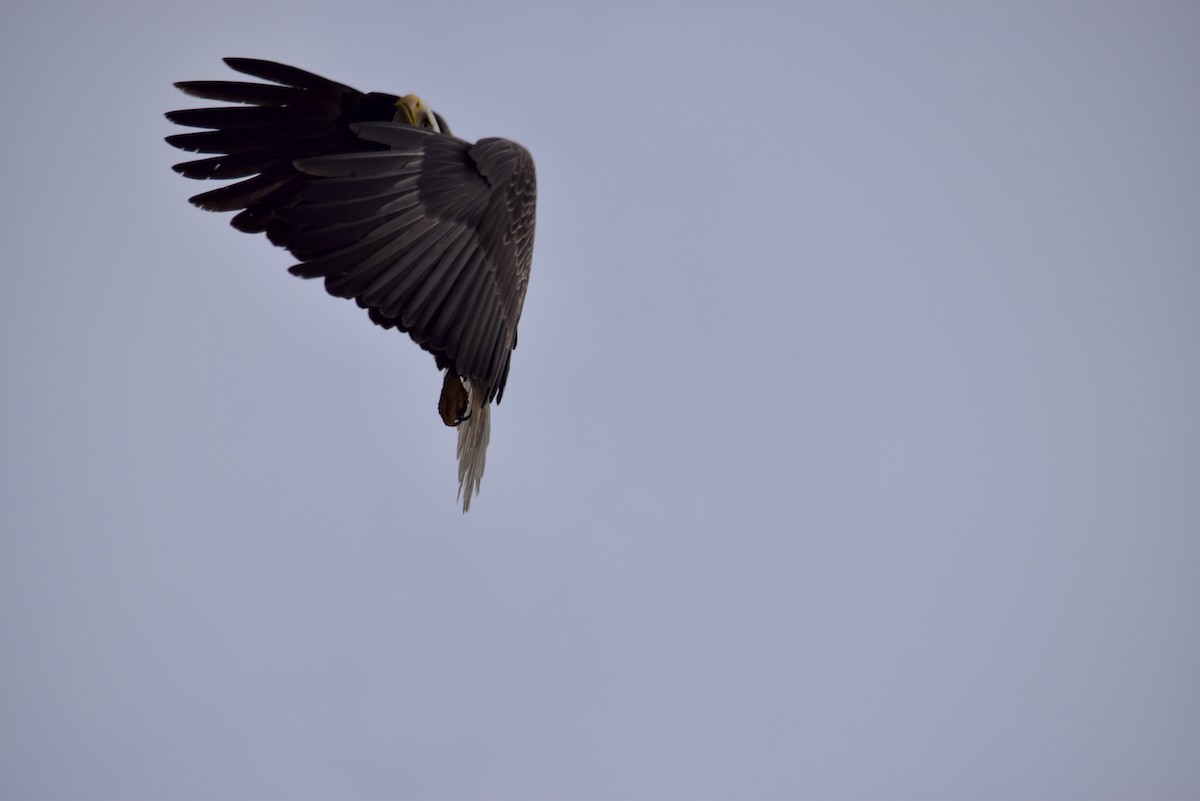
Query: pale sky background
{"points": [[851, 449]]}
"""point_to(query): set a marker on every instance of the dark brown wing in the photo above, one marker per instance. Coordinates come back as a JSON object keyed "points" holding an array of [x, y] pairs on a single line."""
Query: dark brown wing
{"points": [[434, 237], [430, 234]]}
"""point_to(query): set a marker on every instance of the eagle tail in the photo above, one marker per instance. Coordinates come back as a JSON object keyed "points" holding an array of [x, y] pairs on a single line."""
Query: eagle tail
{"points": [[473, 436]]}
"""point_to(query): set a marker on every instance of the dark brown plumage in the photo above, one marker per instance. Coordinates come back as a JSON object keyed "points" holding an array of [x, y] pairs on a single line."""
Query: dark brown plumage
{"points": [[430, 234]]}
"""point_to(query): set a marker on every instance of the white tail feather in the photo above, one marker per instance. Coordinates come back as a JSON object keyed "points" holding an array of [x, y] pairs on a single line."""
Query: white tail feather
{"points": [[473, 436]]}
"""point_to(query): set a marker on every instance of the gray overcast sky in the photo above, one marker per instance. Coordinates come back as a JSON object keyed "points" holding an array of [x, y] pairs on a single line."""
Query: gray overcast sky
{"points": [[851, 448]]}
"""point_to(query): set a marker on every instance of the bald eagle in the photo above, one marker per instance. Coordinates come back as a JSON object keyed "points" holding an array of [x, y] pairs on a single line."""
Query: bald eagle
{"points": [[431, 234]]}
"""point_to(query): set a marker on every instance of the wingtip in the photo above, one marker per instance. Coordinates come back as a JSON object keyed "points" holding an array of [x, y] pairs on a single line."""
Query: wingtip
{"points": [[253, 67]]}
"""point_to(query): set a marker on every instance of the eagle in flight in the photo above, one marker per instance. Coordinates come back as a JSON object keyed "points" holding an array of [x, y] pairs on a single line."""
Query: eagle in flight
{"points": [[431, 234]]}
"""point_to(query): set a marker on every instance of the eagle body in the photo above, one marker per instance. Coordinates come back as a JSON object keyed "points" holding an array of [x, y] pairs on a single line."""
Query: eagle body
{"points": [[431, 234]]}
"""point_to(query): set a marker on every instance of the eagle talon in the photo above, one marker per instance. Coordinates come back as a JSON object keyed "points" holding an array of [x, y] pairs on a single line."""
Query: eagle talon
{"points": [[454, 404]]}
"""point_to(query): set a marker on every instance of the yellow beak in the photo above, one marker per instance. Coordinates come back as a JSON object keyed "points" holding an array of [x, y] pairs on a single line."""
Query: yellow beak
{"points": [[412, 109]]}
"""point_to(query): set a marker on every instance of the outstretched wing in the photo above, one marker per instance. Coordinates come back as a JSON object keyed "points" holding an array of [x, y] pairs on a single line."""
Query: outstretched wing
{"points": [[431, 234]]}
